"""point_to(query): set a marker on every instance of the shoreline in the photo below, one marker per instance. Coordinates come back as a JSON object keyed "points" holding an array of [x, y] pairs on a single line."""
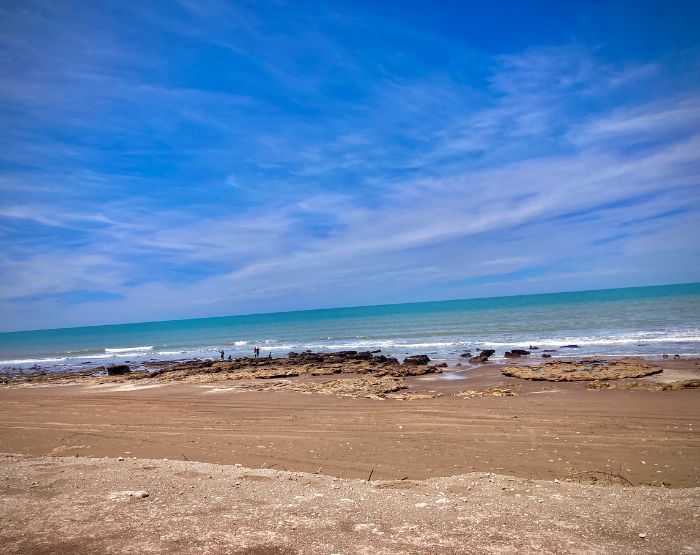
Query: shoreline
{"points": [[33, 366], [439, 424], [449, 351]]}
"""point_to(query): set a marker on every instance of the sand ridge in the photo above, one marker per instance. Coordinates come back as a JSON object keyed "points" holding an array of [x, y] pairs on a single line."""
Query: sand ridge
{"points": [[84, 505]]}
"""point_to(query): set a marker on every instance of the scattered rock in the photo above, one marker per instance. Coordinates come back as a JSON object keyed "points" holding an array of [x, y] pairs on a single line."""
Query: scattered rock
{"points": [[118, 369], [490, 392], [569, 347], [546, 355], [417, 360], [482, 357], [516, 353], [651, 386], [123, 495], [583, 370]]}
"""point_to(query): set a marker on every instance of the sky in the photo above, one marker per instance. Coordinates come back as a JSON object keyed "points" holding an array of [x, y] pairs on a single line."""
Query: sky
{"points": [[193, 158]]}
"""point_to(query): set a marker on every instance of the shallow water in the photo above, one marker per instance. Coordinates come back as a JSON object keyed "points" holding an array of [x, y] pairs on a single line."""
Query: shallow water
{"points": [[645, 321], [452, 376]]}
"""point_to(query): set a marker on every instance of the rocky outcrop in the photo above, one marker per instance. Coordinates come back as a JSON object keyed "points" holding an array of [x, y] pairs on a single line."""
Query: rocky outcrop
{"points": [[490, 392], [416, 360], [583, 370], [516, 353], [299, 368], [482, 357], [118, 370]]}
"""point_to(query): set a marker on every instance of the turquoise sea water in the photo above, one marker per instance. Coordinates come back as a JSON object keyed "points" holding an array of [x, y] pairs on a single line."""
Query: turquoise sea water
{"points": [[641, 320]]}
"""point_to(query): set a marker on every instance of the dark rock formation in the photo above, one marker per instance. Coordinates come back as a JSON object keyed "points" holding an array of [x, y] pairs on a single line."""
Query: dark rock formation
{"points": [[569, 347], [546, 355], [516, 353], [482, 357], [417, 360], [466, 355], [118, 370]]}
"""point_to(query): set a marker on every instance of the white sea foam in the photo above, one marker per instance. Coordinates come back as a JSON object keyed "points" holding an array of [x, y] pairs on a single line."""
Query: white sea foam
{"points": [[32, 360], [384, 344], [279, 347], [130, 349], [629, 339]]}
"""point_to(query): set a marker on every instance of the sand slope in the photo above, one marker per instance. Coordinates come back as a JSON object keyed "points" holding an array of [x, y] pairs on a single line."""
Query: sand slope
{"points": [[79, 505]]}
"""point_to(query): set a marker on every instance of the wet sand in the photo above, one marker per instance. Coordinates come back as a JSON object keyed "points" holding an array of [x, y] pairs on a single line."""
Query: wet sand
{"points": [[547, 431]]}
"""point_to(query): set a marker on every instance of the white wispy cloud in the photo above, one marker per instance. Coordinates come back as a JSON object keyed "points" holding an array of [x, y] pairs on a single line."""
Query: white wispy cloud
{"points": [[185, 200]]}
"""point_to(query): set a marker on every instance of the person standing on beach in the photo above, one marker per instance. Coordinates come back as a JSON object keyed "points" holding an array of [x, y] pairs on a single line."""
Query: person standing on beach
{"points": [[221, 352]]}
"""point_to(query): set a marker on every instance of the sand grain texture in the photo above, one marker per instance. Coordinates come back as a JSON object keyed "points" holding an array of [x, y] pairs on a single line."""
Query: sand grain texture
{"points": [[79, 505]]}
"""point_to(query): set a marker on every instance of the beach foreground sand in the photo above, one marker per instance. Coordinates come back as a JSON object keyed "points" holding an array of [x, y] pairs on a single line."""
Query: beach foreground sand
{"points": [[86, 505]]}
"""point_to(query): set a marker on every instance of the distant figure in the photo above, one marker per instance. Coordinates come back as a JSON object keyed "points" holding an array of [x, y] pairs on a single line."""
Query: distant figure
{"points": [[229, 357], [256, 351], [270, 355], [221, 352]]}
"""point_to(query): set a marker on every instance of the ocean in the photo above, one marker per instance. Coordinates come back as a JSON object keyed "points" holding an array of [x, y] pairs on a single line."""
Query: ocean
{"points": [[648, 321]]}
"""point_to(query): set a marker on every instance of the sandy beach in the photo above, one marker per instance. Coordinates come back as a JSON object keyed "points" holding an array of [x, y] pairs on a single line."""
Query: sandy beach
{"points": [[85, 505], [447, 430]]}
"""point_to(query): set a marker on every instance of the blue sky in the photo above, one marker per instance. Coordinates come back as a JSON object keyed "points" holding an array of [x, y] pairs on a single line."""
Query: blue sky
{"points": [[189, 158]]}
